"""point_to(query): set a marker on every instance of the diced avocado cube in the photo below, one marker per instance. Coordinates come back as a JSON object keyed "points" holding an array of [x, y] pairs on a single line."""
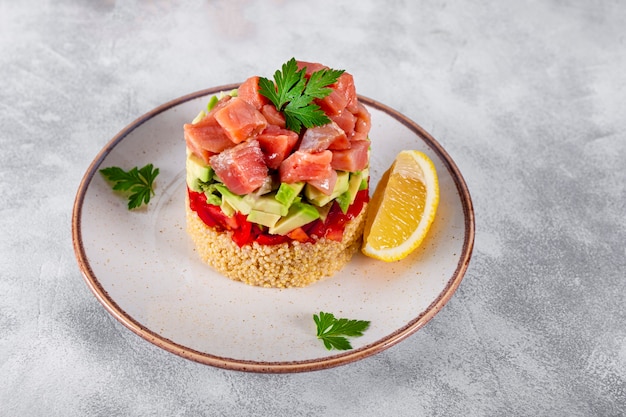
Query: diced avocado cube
{"points": [[237, 202], [263, 218], [212, 102], [287, 193], [346, 199], [354, 186], [365, 174], [198, 167], [320, 199], [213, 199], [269, 204], [199, 117], [227, 209], [299, 215], [197, 170]]}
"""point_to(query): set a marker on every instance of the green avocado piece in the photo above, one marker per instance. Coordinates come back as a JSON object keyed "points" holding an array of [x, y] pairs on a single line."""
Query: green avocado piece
{"points": [[199, 117], [365, 174], [212, 102], [287, 193], [263, 218], [320, 199], [347, 198], [299, 215], [197, 170], [227, 209], [269, 204], [236, 202]]}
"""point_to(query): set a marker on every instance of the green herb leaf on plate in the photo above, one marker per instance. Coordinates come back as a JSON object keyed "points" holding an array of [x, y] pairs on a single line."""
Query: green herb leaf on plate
{"points": [[137, 182], [332, 331]]}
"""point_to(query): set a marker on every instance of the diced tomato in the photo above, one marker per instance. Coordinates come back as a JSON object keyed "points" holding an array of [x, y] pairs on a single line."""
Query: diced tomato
{"points": [[298, 234], [273, 116], [227, 222], [305, 166], [334, 233], [328, 136], [335, 223], [355, 208], [242, 234], [211, 215], [240, 120], [241, 168], [276, 144], [354, 159], [197, 202], [267, 239], [249, 92]]}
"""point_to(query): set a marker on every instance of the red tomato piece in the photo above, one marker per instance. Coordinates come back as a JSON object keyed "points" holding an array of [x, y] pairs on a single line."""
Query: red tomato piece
{"points": [[298, 234]]}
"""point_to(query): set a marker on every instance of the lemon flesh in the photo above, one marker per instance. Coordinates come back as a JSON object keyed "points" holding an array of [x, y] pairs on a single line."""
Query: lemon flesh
{"points": [[402, 208]]}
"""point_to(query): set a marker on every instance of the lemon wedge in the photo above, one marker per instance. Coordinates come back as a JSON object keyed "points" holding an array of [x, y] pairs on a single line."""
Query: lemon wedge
{"points": [[402, 208]]}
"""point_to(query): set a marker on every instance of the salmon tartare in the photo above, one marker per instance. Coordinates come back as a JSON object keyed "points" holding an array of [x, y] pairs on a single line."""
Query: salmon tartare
{"points": [[277, 176]]}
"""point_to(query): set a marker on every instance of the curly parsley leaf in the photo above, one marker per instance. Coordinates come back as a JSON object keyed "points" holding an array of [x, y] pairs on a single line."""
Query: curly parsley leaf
{"points": [[138, 182], [293, 94], [332, 331]]}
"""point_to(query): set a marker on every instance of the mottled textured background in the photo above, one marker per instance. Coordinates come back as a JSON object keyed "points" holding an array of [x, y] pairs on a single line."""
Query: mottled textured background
{"points": [[529, 98]]}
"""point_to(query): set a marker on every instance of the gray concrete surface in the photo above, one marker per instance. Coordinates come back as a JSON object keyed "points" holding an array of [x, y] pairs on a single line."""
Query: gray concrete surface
{"points": [[529, 98]]}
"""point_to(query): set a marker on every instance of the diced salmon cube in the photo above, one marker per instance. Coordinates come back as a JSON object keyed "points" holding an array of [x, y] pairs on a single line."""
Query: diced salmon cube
{"points": [[328, 136], [241, 168], [207, 137], [249, 92], [240, 120], [362, 125], [311, 67], [345, 86], [276, 144], [327, 183], [333, 103], [305, 166], [353, 159], [273, 116], [345, 120]]}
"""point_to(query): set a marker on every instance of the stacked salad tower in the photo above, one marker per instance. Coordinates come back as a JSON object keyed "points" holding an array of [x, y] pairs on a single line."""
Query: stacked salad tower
{"points": [[277, 176]]}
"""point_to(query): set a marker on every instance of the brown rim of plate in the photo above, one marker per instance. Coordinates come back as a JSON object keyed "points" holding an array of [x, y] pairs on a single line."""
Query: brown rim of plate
{"points": [[274, 367]]}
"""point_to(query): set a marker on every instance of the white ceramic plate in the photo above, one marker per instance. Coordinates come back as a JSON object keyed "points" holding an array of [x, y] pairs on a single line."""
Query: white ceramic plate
{"points": [[142, 266]]}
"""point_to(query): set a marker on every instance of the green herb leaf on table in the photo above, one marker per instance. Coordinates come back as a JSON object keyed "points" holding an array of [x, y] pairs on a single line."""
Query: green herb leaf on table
{"points": [[138, 182], [332, 331], [293, 95]]}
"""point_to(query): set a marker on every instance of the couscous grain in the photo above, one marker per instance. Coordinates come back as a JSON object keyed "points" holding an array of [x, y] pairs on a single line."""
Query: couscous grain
{"points": [[291, 264]]}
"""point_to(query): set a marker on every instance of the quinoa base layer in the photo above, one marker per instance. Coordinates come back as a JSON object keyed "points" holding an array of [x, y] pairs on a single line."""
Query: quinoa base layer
{"points": [[290, 264]]}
